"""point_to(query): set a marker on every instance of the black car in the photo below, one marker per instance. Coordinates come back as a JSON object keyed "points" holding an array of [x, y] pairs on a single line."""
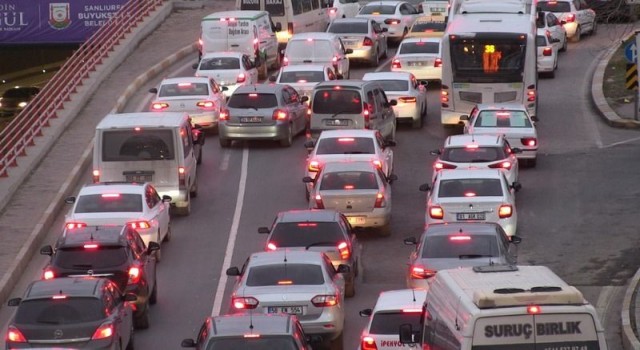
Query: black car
{"points": [[114, 252], [78, 313], [15, 99]]}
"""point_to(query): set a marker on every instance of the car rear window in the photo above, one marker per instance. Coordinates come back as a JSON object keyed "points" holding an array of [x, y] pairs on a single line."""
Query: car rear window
{"points": [[419, 47], [253, 100], [472, 155], [109, 203], [309, 49], [421, 27], [285, 274], [337, 102], [460, 246], [219, 63], [349, 27], [470, 188], [302, 77], [349, 180], [69, 310], [302, 234], [390, 322], [137, 145], [378, 10], [345, 145], [554, 6], [262, 342], [394, 85], [90, 258], [184, 89], [502, 119]]}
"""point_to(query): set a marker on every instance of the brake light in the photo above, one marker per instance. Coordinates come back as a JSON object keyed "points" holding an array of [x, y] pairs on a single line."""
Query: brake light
{"points": [[469, 194], [501, 165], [59, 297], [110, 195], [368, 343], [460, 238], [96, 176], [570, 18], [546, 51], [531, 95], [333, 10], [411, 311], [343, 247], [407, 99], [324, 300], [90, 246], [134, 275], [48, 274], [420, 273], [396, 64], [437, 63], [139, 224], [391, 21], [505, 211], [285, 282], [529, 141], [159, 106], [279, 114], [380, 201], [367, 42], [444, 97], [206, 105], [319, 204], [285, 61], [314, 166], [245, 303], [182, 181], [366, 113], [224, 115], [241, 78], [377, 163], [271, 246], [74, 225], [533, 309], [15, 336], [104, 331], [436, 212], [441, 165], [346, 139], [251, 335]]}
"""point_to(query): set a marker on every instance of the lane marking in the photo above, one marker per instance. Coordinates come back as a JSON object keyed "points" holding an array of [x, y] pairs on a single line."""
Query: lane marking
{"points": [[621, 142], [224, 165], [604, 300], [222, 282], [384, 64]]}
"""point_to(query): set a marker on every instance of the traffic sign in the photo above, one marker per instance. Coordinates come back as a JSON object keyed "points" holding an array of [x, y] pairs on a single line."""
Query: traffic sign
{"points": [[631, 52]]}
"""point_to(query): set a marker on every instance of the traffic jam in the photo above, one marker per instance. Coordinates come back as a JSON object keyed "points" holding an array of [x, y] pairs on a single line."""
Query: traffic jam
{"points": [[270, 71]]}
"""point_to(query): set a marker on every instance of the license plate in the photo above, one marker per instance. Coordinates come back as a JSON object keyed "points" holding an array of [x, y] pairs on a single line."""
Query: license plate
{"points": [[139, 178], [293, 310], [338, 122], [470, 216], [417, 64], [436, 13], [356, 220], [250, 119]]}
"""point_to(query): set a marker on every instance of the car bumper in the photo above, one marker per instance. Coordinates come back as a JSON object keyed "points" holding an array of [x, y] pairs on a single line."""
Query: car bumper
{"points": [[429, 73], [253, 132], [545, 64], [329, 325], [407, 111], [379, 217], [101, 344], [509, 225], [394, 31], [528, 153], [363, 53], [451, 117], [205, 120], [178, 197]]}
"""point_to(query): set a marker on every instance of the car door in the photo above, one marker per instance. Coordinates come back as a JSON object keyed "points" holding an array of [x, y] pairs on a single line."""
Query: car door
{"points": [[350, 238], [118, 310], [380, 36], [146, 261], [409, 14], [267, 38], [160, 209], [387, 120], [250, 69], [386, 152], [553, 24], [337, 278], [297, 110], [510, 250]]}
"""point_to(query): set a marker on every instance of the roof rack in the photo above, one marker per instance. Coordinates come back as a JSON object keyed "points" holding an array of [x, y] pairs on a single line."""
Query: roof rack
{"points": [[543, 295]]}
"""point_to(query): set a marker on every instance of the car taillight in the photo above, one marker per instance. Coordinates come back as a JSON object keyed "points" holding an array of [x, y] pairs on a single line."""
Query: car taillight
{"points": [[367, 42], [207, 105], [407, 99], [271, 246], [314, 166], [48, 274], [159, 106], [531, 95], [391, 21], [368, 343], [529, 141], [182, 179], [546, 51], [280, 114], [343, 248], [436, 212], [15, 336], [244, 303], [333, 10], [74, 225], [505, 211], [420, 272], [437, 63], [290, 28], [285, 61], [444, 97], [241, 78], [139, 224], [501, 165], [377, 163], [380, 201], [224, 115], [96, 176], [134, 275], [441, 165], [396, 63], [366, 113], [104, 331], [319, 204], [570, 18], [324, 300]]}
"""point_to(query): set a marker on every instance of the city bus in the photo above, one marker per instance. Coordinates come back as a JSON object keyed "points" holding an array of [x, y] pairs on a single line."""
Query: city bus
{"points": [[488, 56]]}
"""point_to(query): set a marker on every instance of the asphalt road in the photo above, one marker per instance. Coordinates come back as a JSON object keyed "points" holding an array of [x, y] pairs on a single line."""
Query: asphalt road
{"points": [[576, 210]]}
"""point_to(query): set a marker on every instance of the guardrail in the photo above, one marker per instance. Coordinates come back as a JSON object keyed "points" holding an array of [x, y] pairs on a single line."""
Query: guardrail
{"points": [[28, 124]]}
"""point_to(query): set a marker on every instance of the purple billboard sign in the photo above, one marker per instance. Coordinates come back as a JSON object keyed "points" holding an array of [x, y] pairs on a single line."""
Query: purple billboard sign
{"points": [[53, 21]]}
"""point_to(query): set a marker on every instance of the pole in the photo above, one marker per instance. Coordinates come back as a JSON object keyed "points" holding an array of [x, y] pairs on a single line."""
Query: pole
{"points": [[637, 91]]}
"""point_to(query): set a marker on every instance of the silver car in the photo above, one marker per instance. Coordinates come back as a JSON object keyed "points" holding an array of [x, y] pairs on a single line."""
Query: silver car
{"points": [[364, 36], [301, 283], [263, 112], [304, 77]]}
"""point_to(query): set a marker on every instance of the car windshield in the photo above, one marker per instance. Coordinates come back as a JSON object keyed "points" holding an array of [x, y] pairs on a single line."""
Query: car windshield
{"points": [[310, 76], [81, 258], [349, 27], [312, 50], [285, 274], [420, 27], [554, 6], [345, 145], [253, 100], [472, 155], [219, 63], [337, 101], [378, 10], [460, 247], [302, 234], [389, 322], [109, 203], [394, 85], [183, 89], [425, 47], [502, 119], [262, 342], [137, 144], [19, 93], [349, 180], [470, 188], [60, 311]]}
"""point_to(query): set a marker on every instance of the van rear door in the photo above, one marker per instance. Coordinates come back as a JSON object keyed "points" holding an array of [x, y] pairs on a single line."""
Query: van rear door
{"points": [[229, 34]]}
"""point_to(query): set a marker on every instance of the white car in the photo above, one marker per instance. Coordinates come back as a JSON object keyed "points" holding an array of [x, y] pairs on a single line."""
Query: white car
{"points": [[472, 195], [477, 152], [396, 16], [547, 62], [201, 97], [343, 9], [510, 120], [420, 56], [548, 22], [393, 309], [304, 77], [575, 15], [319, 48], [346, 145], [410, 93], [135, 204], [229, 69]]}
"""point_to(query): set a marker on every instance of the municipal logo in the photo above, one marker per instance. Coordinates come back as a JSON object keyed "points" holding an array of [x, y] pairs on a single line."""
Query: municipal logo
{"points": [[59, 15]]}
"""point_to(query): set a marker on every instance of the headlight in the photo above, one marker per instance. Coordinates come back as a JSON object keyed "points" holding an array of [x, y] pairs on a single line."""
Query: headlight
{"points": [[22, 104]]}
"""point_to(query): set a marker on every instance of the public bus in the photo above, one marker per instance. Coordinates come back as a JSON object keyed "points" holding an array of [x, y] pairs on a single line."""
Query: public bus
{"points": [[488, 56]]}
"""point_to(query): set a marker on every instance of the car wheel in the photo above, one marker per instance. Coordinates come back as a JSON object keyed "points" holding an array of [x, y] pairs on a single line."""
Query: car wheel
{"points": [[158, 253], [576, 36], [167, 237], [153, 298], [142, 321], [199, 158], [288, 140], [564, 44], [224, 143], [376, 59], [193, 191]]}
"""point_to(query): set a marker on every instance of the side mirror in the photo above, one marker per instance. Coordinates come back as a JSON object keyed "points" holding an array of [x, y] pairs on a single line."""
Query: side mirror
{"points": [[153, 90], [14, 302], [464, 117], [307, 179], [516, 186], [410, 241], [263, 230], [515, 239], [535, 119], [391, 178], [188, 343], [406, 334], [516, 150], [342, 268], [273, 78], [153, 247], [278, 27], [166, 198], [309, 144], [435, 152], [304, 99], [366, 313], [46, 250], [130, 297], [194, 66], [348, 51], [70, 200], [425, 188], [233, 271], [390, 143]]}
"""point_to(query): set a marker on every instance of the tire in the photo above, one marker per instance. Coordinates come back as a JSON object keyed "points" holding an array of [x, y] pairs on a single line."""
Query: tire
{"points": [[142, 321], [158, 253], [376, 60], [153, 298], [193, 191], [564, 46], [167, 237], [224, 143], [576, 36], [288, 141]]}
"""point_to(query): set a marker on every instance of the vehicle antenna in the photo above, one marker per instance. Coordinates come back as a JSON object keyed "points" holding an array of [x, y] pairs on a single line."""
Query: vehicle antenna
{"points": [[413, 291]]}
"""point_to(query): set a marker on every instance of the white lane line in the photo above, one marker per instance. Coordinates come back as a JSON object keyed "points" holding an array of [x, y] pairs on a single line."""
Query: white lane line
{"points": [[621, 142], [384, 64], [146, 102], [222, 282], [224, 165]]}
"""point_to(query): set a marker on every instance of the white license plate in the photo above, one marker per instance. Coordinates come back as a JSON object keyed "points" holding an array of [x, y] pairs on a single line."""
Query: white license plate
{"points": [[470, 216], [139, 178], [293, 310], [250, 119], [417, 64], [356, 220], [337, 122]]}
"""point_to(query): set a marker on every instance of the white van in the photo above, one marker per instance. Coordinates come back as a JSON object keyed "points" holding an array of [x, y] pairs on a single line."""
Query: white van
{"points": [[505, 307], [293, 16], [249, 32], [156, 147]]}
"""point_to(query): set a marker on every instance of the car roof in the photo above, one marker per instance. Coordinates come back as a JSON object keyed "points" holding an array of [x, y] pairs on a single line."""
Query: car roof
{"points": [[313, 35], [419, 39], [348, 133], [449, 228], [293, 257], [451, 174], [480, 140], [105, 235], [229, 325], [260, 88], [387, 75], [223, 54], [348, 166], [70, 286], [142, 119], [353, 83], [178, 80], [499, 106], [124, 187], [244, 14], [322, 215], [305, 67], [400, 299]]}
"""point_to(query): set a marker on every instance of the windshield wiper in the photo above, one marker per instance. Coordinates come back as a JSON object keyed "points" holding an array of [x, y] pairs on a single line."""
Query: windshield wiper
{"points": [[473, 256]]}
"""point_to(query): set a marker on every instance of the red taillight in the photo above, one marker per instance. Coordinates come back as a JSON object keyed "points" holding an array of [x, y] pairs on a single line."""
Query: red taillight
{"points": [[314, 166], [377, 163], [345, 253], [319, 204], [396, 63], [547, 51], [529, 141], [380, 201], [533, 309], [367, 42], [420, 273], [139, 224], [391, 21], [134, 275], [437, 63], [241, 78], [505, 211], [280, 114], [458, 238], [104, 331], [90, 246], [159, 106], [74, 225], [207, 105], [333, 10], [441, 165], [182, 179], [444, 96], [224, 115], [324, 300], [570, 18], [436, 212], [96, 176], [368, 343], [244, 303], [501, 165], [271, 246], [366, 113], [407, 99], [15, 336], [48, 274], [531, 95]]}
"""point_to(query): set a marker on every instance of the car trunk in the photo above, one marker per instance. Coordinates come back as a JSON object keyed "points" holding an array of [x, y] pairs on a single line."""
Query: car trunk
{"points": [[353, 41], [59, 335], [223, 77], [273, 298], [417, 60], [251, 117], [471, 209], [111, 218], [513, 135], [182, 103], [349, 201]]}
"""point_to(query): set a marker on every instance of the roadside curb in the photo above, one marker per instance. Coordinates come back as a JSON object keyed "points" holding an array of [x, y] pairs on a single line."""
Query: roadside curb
{"points": [[629, 339]]}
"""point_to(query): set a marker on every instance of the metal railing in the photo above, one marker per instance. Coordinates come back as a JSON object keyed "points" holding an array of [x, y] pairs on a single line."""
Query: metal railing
{"points": [[28, 124]]}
